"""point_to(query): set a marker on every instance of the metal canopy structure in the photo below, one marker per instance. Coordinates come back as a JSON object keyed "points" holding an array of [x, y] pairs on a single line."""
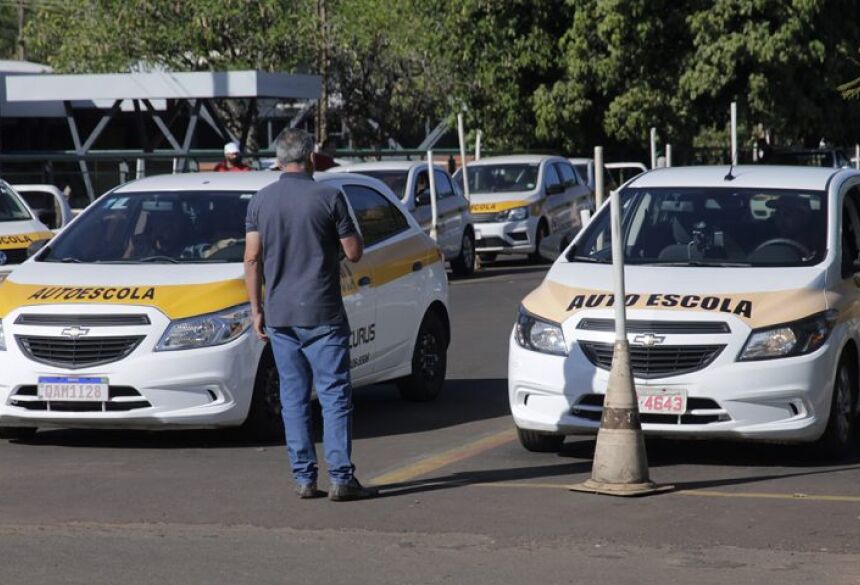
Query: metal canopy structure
{"points": [[194, 93]]}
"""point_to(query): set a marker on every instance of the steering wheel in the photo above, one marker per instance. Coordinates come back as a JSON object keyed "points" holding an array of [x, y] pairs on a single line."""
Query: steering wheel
{"points": [[804, 251]]}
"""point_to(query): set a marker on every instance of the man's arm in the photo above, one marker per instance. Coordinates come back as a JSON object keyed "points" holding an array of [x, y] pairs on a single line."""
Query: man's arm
{"points": [[254, 282], [353, 247]]}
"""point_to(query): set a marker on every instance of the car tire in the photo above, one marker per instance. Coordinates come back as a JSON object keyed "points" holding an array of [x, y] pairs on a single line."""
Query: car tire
{"points": [[538, 442], [264, 422], [464, 263], [429, 362], [18, 433], [488, 257], [541, 232], [839, 434]]}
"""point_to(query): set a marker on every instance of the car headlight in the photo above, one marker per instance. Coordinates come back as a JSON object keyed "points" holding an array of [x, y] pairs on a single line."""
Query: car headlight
{"points": [[206, 330], [515, 214], [790, 339], [538, 335], [2, 337]]}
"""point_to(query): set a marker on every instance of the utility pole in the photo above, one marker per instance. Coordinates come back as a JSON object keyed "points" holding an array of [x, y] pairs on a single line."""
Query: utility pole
{"points": [[322, 107]]}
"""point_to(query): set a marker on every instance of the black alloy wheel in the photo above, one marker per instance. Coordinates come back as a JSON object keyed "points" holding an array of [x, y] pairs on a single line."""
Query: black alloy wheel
{"points": [[429, 363]]}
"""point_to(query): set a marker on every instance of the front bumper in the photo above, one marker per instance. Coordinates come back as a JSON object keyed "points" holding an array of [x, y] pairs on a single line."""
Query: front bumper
{"points": [[200, 388], [515, 237], [781, 400]]}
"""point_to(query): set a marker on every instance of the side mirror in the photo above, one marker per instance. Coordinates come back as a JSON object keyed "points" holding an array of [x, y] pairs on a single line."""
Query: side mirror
{"points": [[554, 189], [35, 247]]}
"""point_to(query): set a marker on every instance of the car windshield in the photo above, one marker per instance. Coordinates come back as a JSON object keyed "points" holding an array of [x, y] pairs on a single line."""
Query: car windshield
{"points": [[396, 180], [11, 208], [502, 178], [713, 227], [168, 227]]}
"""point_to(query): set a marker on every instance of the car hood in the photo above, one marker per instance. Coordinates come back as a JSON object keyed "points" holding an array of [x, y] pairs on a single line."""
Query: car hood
{"points": [[494, 202], [756, 296], [177, 290]]}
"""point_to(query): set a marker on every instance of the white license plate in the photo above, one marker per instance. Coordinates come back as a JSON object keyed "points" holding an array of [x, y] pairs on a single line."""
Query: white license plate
{"points": [[72, 389], [662, 401]]}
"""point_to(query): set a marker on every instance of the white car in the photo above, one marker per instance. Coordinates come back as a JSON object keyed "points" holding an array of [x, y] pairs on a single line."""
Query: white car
{"points": [[409, 180], [48, 203], [585, 168], [621, 172], [517, 201], [20, 228], [740, 325], [136, 315]]}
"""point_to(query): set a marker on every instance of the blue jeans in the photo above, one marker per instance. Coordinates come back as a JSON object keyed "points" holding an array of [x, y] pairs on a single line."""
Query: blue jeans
{"points": [[308, 356]]}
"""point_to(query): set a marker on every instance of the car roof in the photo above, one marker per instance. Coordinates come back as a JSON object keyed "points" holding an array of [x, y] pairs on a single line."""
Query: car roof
{"points": [[381, 165], [745, 176], [580, 160], [244, 181], [514, 158]]}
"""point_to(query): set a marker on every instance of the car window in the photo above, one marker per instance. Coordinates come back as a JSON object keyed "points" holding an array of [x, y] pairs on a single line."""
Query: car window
{"points": [[582, 171], [11, 208], [44, 204], [568, 176], [396, 180], [550, 176], [444, 189], [157, 227], [421, 189], [850, 232], [378, 218]]}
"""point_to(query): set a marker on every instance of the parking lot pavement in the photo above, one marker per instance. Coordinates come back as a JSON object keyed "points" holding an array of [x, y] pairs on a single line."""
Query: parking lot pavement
{"points": [[462, 501]]}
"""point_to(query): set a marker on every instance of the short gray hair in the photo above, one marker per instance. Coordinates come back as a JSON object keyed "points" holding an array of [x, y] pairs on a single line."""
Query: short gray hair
{"points": [[293, 145]]}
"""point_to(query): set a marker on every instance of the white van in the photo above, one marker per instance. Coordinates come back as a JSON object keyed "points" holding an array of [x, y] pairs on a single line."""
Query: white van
{"points": [[19, 229], [518, 200], [410, 181], [136, 315], [743, 296]]}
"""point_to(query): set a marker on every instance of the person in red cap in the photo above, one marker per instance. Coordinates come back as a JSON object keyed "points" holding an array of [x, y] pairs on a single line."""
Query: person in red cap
{"points": [[232, 161]]}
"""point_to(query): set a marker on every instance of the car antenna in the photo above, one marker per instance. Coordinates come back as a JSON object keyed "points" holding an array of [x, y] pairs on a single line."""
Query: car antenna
{"points": [[729, 176]]}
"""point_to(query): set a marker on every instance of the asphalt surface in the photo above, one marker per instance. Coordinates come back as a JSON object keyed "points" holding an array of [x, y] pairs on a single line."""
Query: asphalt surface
{"points": [[462, 502]]}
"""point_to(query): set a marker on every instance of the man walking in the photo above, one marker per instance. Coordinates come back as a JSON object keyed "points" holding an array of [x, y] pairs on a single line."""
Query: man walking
{"points": [[298, 228]]}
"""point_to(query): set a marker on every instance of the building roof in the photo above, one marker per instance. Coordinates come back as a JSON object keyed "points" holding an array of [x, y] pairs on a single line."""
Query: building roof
{"points": [[161, 85], [748, 176]]}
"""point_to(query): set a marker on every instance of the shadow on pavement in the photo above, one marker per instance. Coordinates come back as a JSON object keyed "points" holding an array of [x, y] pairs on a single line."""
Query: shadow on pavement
{"points": [[379, 412]]}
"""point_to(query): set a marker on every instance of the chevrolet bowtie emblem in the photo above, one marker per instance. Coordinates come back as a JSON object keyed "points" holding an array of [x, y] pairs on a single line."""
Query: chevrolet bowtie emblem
{"points": [[74, 332], [648, 339]]}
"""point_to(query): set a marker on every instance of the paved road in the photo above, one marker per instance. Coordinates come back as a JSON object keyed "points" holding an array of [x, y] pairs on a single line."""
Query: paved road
{"points": [[463, 503]]}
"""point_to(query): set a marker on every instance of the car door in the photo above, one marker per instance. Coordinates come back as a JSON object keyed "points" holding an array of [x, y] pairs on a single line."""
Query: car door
{"points": [[420, 197], [555, 198], [394, 277], [577, 193], [450, 219]]}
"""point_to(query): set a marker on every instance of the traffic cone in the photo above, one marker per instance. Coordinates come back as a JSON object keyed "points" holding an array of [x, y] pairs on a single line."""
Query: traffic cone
{"points": [[620, 466]]}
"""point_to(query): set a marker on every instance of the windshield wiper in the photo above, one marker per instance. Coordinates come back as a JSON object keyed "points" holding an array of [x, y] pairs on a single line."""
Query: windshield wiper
{"points": [[589, 259], [69, 259], [159, 259]]}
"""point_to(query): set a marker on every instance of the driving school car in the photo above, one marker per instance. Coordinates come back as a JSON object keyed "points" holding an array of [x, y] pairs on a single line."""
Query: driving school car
{"points": [[517, 201], [743, 306], [136, 315], [19, 229]]}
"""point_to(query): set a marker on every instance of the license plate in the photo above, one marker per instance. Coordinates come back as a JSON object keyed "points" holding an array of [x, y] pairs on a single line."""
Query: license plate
{"points": [[73, 389], [662, 401]]}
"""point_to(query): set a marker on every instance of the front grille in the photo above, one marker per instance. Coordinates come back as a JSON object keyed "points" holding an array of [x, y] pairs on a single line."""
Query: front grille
{"points": [[484, 217], [655, 362], [77, 353], [665, 327], [491, 242], [14, 256], [593, 404], [130, 399], [82, 320]]}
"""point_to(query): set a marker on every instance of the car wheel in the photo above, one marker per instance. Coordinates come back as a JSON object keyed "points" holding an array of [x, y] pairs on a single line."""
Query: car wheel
{"points": [[841, 423], [18, 433], [429, 363], [264, 420], [538, 442], [464, 263], [542, 232], [488, 257]]}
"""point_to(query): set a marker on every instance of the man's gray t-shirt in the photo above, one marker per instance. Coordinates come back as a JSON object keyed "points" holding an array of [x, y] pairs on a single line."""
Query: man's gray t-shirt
{"points": [[301, 223]]}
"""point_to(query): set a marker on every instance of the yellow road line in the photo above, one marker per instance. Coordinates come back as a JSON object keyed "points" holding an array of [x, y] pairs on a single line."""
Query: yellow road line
{"points": [[698, 493], [440, 460]]}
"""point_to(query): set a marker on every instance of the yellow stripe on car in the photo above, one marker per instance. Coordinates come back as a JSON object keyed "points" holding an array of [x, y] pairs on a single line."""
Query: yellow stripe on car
{"points": [[500, 206], [22, 241]]}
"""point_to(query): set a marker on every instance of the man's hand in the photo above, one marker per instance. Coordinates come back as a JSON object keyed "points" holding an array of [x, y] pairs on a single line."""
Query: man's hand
{"points": [[258, 322]]}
